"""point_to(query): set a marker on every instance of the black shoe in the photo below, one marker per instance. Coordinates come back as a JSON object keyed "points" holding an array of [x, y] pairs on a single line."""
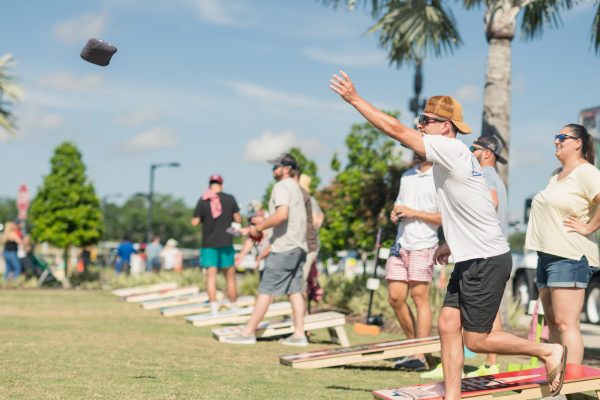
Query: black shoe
{"points": [[413, 365]]}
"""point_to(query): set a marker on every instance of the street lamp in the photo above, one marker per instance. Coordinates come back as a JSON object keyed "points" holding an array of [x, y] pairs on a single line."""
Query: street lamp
{"points": [[151, 195]]}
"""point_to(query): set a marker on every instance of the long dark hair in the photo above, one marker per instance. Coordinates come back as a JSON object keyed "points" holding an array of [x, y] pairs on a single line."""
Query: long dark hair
{"points": [[587, 148]]}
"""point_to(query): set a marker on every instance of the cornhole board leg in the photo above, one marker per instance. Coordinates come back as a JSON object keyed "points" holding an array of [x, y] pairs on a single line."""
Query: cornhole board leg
{"points": [[362, 353], [338, 335], [517, 385]]}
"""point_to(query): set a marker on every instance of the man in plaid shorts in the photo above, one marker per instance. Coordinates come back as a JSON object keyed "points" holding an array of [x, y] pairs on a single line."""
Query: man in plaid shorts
{"points": [[409, 268]]}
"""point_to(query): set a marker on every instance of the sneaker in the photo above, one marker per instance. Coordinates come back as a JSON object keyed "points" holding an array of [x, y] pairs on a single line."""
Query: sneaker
{"points": [[293, 341], [436, 373], [400, 361], [214, 309], [484, 370], [239, 339], [413, 365]]}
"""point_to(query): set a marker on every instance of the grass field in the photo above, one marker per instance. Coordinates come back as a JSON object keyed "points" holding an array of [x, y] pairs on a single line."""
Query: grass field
{"points": [[79, 344]]}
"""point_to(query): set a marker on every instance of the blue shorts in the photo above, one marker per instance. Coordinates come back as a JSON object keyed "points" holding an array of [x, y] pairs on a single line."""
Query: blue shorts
{"points": [[555, 271], [219, 257]]}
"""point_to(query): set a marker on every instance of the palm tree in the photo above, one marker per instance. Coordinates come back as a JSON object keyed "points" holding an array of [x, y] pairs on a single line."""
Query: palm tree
{"points": [[416, 29], [10, 92]]}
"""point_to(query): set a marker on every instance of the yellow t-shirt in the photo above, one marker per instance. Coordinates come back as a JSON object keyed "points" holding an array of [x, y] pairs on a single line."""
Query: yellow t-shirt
{"points": [[572, 196]]}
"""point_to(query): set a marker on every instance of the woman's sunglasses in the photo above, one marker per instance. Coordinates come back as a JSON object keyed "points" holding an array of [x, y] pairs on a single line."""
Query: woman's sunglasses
{"points": [[561, 137]]}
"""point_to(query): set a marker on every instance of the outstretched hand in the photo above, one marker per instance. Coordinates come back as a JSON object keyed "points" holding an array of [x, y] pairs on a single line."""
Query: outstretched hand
{"points": [[343, 86]]}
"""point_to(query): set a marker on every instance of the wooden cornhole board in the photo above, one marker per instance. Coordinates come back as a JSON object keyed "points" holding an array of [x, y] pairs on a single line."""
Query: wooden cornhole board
{"points": [[332, 321], [362, 353], [516, 385], [178, 301], [199, 308], [134, 291], [239, 315], [164, 294]]}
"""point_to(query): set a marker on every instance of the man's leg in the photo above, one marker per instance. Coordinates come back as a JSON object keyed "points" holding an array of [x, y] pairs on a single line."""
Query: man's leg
{"points": [[397, 295], [297, 301], [491, 358], [419, 292], [211, 283], [263, 301], [230, 275], [562, 310], [449, 327]]}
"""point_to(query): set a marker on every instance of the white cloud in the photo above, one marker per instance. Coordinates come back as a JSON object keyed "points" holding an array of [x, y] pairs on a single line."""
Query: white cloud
{"points": [[278, 97], [156, 138], [347, 58], [68, 82], [468, 93], [270, 144], [137, 118], [80, 29], [216, 12]]}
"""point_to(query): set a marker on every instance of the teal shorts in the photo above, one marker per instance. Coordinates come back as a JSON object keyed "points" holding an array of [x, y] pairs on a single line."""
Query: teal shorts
{"points": [[220, 257]]}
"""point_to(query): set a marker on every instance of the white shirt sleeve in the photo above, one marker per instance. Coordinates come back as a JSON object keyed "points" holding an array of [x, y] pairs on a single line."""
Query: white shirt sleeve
{"points": [[281, 196]]}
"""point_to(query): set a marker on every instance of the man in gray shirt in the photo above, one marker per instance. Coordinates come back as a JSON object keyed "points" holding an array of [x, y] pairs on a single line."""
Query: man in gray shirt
{"points": [[283, 268]]}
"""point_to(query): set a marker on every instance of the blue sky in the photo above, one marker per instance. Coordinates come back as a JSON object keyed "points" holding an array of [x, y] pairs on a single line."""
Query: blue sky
{"points": [[221, 86]]}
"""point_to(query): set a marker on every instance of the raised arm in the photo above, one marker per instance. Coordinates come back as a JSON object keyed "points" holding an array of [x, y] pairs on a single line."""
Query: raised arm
{"points": [[387, 124]]}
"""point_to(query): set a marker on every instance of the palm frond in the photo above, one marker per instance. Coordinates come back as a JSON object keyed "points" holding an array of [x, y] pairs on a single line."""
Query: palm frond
{"points": [[471, 4], [596, 29], [415, 29], [538, 14]]}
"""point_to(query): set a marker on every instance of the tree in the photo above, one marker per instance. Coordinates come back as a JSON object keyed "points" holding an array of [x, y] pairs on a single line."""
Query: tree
{"points": [[359, 199], [171, 219], [8, 210], [307, 166], [66, 211], [415, 29], [10, 91]]}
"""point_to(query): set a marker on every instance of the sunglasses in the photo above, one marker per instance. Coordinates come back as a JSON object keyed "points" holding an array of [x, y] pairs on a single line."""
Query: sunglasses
{"points": [[561, 137], [425, 120], [474, 149]]}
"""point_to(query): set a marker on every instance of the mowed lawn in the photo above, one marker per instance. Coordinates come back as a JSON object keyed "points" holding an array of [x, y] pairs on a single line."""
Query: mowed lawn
{"points": [[70, 344]]}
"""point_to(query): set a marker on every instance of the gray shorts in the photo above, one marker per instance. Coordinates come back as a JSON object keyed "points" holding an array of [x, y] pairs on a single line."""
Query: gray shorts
{"points": [[283, 273]]}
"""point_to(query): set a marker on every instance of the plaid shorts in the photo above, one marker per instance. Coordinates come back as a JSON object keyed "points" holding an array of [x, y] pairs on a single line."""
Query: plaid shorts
{"points": [[411, 265]]}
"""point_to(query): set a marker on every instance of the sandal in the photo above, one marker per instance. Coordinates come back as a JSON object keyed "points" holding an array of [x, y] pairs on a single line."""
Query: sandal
{"points": [[561, 369]]}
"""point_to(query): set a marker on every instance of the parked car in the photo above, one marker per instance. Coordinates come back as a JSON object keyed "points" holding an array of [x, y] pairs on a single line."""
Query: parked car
{"points": [[524, 288]]}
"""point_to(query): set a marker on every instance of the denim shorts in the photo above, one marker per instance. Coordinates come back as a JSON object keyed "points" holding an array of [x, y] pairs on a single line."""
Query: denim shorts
{"points": [[555, 271]]}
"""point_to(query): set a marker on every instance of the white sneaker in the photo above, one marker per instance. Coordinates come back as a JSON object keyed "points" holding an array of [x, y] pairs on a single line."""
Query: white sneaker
{"points": [[239, 339], [292, 341], [214, 309]]}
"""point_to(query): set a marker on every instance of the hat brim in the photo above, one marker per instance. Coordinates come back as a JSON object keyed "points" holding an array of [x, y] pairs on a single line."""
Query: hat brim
{"points": [[500, 159], [462, 127]]}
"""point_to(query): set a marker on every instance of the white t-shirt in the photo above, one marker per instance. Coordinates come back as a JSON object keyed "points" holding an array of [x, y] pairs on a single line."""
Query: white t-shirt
{"points": [[574, 196], [417, 191], [291, 233], [471, 225]]}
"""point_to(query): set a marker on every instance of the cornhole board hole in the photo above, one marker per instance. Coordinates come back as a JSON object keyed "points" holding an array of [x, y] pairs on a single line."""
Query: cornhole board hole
{"points": [[361, 353], [521, 385], [178, 301], [332, 321], [239, 315], [199, 308], [133, 291], [165, 294]]}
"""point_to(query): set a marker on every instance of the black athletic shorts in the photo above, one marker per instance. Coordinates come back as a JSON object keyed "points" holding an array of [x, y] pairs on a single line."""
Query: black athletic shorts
{"points": [[476, 287]]}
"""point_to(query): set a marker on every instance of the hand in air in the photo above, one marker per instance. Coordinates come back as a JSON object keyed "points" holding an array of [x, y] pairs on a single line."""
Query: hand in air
{"points": [[343, 86]]}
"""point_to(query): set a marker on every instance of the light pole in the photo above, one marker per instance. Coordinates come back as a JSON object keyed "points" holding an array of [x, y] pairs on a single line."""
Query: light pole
{"points": [[415, 104], [151, 195]]}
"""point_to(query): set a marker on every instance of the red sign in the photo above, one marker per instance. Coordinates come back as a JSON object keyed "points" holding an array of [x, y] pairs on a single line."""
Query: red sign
{"points": [[23, 201]]}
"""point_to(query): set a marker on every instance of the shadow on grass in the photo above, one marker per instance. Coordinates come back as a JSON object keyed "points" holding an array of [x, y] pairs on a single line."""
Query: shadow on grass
{"points": [[348, 389]]}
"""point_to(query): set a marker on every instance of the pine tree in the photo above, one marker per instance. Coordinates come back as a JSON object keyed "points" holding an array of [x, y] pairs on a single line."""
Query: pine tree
{"points": [[66, 211]]}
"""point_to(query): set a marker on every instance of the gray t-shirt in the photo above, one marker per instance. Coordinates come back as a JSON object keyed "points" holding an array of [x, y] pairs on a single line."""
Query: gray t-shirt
{"points": [[291, 233], [494, 182]]}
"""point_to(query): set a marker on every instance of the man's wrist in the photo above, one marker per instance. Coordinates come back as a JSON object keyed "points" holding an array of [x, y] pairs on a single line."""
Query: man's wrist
{"points": [[258, 229]]}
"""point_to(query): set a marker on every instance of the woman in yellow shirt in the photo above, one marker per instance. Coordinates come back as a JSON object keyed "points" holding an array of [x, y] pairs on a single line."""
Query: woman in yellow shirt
{"points": [[563, 220]]}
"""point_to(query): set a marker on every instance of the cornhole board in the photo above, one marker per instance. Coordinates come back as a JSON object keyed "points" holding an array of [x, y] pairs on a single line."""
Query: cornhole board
{"points": [[178, 301], [199, 308], [239, 315], [164, 294], [362, 353], [516, 385], [133, 291], [332, 321]]}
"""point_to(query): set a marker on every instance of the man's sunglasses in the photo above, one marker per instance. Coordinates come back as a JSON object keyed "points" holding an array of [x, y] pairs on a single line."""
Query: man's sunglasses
{"points": [[561, 137], [475, 148], [425, 120]]}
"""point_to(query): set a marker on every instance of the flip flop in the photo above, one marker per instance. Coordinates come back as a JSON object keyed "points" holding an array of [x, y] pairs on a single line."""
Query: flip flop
{"points": [[561, 369]]}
